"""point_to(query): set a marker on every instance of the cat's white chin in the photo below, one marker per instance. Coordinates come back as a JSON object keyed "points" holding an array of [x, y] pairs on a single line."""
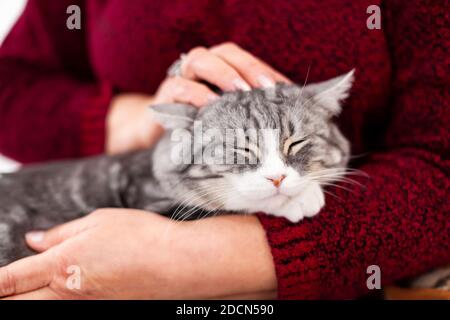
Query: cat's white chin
{"points": [[307, 203]]}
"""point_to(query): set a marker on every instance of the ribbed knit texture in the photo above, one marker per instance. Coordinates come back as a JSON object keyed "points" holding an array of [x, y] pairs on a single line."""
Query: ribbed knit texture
{"points": [[56, 84]]}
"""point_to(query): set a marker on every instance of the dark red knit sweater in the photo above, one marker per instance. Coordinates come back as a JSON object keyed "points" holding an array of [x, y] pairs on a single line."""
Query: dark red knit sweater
{"points": [[56, 84]]}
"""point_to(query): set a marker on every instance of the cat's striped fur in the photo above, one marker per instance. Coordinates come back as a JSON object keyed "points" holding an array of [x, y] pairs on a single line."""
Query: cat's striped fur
{"points": [[309, 152]]}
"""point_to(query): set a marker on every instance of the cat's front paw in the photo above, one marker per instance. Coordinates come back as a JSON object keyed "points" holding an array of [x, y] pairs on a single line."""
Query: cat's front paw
{"points": [[312, 199], [307, 204], [291, 210]]}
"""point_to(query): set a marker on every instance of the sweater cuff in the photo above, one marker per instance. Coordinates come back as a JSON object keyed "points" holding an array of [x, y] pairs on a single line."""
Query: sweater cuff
{"points": [[294, 251], [93, 121]]}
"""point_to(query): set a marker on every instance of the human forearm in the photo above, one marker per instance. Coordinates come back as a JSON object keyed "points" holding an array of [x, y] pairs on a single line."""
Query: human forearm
{"points": [[153, 258], [228, 257]]}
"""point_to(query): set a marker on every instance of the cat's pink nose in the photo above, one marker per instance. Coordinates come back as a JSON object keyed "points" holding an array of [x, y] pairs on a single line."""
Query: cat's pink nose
{"points": [[277, 181]]}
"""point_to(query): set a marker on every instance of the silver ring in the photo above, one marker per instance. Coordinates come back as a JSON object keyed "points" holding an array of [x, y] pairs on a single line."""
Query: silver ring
{"points": [[175, 68]]}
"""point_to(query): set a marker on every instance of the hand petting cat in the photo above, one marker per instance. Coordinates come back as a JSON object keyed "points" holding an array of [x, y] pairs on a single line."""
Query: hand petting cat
{"points": [[226, 66]]}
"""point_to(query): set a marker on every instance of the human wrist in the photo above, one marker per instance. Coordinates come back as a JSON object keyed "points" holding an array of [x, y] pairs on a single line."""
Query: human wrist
{"points": [[230, 257], [129, 125]]}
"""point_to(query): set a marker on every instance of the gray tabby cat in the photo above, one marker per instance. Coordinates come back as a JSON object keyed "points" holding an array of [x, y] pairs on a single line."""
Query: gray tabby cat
{"points": [[283, 172]]}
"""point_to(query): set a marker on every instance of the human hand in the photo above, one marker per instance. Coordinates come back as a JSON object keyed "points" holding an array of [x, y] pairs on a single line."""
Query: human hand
{"points": [[227, 66], [131, 254]]}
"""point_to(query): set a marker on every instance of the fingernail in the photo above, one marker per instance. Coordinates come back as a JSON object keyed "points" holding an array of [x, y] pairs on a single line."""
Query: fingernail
{"points": [[35, 236], [266, 82], [241, 84]]}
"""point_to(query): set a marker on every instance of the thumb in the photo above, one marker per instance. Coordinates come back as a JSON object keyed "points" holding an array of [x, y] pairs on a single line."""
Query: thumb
{"points": [[43, 240]]}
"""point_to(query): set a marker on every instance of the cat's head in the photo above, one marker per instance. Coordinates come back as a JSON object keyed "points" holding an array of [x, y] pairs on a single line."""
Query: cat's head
{"points": [[256, 150]]}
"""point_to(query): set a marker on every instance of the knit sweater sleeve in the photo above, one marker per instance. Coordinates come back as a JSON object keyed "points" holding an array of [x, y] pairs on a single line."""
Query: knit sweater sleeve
{"points": [[400, 221], [50, 105]]}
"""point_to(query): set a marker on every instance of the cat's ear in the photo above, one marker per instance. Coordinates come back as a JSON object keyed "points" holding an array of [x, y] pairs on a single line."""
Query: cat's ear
{"points": [[174, 115], [329, 94]]}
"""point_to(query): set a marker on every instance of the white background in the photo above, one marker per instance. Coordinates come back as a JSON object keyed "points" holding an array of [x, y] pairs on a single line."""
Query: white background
{"points": [[9, 12]]}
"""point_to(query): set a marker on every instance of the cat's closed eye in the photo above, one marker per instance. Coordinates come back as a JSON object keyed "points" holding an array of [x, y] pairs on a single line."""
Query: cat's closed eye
{"points": [[291, 146]]}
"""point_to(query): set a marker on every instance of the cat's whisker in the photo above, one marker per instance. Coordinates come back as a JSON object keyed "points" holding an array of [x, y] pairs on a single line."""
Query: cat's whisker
{"points": [[337, 174], [191, 208], [360, 155], [338, 186], [184, 204], [181, 203], [207, 203], [198, 192], [351, 171], [199, 196], [212, 211], [331, 177], [181, 206], [306, 80], [343, 180], [219, 207], [332, 194]]}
